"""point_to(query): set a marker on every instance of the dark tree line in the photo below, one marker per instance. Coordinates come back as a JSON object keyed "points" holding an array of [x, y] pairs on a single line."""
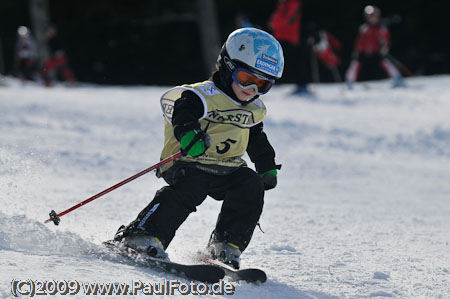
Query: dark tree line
{"points": [[166, 42]]}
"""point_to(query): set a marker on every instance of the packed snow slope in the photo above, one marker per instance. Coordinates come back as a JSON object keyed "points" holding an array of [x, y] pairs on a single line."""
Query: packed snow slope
{"points": [[362, 207]]}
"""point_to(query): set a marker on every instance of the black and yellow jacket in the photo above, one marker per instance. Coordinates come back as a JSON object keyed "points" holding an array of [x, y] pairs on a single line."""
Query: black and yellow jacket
{"points": [[233, 127]]}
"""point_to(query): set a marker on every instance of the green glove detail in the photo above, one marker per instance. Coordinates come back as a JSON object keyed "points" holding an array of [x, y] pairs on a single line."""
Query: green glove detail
{"points": [[269, 179], [196, 142]]}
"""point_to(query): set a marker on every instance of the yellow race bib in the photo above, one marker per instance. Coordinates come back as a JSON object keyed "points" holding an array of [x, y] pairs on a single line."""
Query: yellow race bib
{"points": [[226, 121]]}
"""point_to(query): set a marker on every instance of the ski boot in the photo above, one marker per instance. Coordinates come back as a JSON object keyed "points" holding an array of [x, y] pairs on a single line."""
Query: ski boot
{"points": [[227, 253], [398, 82], [142, 243], [302, 90], [350, 85]]}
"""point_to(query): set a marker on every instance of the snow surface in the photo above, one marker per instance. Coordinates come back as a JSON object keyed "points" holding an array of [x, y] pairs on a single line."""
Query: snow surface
{"points": [[362, 208]]}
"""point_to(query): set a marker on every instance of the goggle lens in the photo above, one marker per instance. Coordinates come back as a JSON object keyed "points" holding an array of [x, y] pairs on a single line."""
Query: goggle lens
{"points": [[245, 78]]}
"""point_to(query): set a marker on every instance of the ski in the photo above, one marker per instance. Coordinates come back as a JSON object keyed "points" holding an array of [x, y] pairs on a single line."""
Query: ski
{"points": [[250, 275], [202, 273]]}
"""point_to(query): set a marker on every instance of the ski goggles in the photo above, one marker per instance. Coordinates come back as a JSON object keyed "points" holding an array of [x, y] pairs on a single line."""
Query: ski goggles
{"points": [[246, 79]]}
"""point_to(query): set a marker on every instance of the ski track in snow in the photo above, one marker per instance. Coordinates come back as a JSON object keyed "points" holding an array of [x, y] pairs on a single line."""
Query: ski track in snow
{"points": [[361, 209]]}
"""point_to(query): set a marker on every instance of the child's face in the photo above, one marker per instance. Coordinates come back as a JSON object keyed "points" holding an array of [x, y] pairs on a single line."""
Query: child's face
{"points": [[243, 94]]}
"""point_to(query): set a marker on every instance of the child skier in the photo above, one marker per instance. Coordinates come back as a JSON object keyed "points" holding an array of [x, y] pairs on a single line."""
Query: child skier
{"points": [[214, 123], [372, 47]]}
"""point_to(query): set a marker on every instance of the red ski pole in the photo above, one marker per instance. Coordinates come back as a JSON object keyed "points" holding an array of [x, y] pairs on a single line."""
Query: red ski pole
{"points": [[56, 217]]}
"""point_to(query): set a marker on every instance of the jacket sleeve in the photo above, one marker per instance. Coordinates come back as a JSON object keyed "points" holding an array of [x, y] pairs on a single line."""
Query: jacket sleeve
{"points": [[260, 151], [187, 111]]}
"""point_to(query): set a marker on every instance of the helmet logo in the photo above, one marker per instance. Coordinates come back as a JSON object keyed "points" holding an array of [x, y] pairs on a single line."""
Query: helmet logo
{"points": [[242, 47], [268, 64], [269, 58], [229, 63]]}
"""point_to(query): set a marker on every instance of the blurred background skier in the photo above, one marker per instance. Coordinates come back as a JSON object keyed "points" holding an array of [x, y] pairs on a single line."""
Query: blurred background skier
{"points": [[215, 123], [286, 24], [324, 47], [371, 53], [56, 65], [26, 55]]}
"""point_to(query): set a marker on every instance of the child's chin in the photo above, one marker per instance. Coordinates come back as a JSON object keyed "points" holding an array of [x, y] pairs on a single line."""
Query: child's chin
{"points": [[245, 97]]}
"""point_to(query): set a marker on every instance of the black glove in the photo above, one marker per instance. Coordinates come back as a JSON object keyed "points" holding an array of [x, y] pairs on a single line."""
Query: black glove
{"points": [[269, 179]]}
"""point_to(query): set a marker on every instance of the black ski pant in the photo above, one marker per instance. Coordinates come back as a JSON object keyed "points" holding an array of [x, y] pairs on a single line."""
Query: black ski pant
{"points": [[241, 191], [371, 67]]}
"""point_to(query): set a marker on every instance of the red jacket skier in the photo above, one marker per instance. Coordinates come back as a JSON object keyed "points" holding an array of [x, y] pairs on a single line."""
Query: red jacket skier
{"points": [[58, 59], [285, 22], [323, 45], [372, 46]]}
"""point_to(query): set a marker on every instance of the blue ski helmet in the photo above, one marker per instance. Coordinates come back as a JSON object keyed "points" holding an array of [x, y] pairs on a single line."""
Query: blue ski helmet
{"points": [[255, 49]]}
